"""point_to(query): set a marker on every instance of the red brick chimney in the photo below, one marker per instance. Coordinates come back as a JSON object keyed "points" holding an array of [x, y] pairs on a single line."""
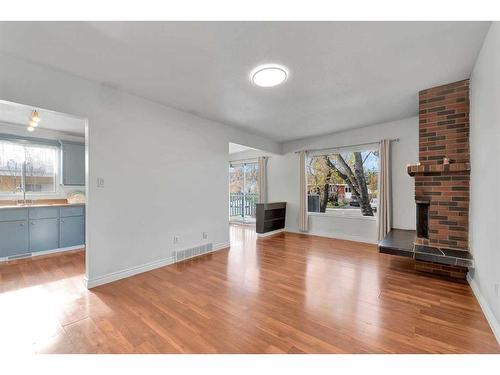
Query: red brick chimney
{"points": [[443, 173]]}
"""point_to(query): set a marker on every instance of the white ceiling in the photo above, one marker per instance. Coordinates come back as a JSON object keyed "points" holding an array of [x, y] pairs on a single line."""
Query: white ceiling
{"points": [[235, 148], [342, 74], [19, 114]]}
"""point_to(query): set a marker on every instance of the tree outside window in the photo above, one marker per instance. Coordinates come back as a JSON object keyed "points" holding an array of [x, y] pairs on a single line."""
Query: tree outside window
{"points": [[346, 182]]}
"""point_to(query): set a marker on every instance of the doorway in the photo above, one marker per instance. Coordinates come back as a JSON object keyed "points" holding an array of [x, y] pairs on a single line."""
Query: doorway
{"points": [[43, 185], [243, 191]]}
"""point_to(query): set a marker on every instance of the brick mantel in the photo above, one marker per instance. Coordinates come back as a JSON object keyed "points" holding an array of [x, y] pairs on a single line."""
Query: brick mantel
{"points": [[442, 169]]}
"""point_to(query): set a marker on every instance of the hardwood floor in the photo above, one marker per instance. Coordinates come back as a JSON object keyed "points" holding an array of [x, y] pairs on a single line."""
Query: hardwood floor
{"points": [[289, 293]]}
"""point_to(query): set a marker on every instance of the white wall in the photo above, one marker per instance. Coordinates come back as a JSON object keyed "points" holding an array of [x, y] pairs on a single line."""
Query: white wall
{"points": [[283, 176], [61, 190], [165, 171], [484, 220]]}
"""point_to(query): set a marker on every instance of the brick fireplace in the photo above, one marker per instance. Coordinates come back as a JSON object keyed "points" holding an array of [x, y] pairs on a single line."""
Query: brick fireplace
{"points": [[442, 179]]}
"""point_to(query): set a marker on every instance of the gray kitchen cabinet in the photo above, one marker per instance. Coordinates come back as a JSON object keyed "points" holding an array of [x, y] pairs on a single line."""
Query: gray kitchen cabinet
{"points": [[72, 231], [14, 238], [72, 163], [33, 229], [44, 234]]}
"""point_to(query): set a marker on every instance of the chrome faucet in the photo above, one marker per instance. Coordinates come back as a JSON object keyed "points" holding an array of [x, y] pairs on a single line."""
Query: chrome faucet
{"points": [[23, 187]]}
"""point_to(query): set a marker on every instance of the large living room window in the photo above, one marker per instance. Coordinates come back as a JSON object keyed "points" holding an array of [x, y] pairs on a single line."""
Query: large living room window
{"points": [[343, 182], [27, 166]]}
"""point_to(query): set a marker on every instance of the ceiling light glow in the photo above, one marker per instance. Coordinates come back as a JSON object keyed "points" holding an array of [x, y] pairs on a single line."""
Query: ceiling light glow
{"points": [[35, 116], [269, 75]]}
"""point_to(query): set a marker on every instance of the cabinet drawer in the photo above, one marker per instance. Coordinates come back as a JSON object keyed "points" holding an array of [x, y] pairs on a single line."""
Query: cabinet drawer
{"points": [[44, 213], [72, 211], [13, 214]]}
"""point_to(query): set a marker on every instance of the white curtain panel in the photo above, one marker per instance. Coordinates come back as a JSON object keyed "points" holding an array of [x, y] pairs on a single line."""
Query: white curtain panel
{"points": [[384, 189], [303, 219], [263, 179]]}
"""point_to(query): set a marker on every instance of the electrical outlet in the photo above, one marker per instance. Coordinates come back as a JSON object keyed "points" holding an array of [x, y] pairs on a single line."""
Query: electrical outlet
{"points": [[204, 235], [176, 239]]}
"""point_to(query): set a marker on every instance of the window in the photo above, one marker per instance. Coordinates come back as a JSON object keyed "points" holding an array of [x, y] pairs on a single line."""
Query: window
{"points": [[344, 182], [30, 165]]}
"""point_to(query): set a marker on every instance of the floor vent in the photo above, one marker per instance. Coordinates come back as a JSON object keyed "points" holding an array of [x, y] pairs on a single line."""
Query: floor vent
{"points": [[193, 252]]}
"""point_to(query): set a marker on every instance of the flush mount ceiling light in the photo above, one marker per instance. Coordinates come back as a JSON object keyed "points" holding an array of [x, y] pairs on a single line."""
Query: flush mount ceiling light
{"points": [[269, 75]]}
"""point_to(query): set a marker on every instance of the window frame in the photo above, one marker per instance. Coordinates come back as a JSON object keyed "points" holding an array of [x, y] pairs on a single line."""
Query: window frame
{"points": [[340, 150], [35, 142]]}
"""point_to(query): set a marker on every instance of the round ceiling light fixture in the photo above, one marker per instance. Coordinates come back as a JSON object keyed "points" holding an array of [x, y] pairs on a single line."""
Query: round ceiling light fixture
{"points": [[269, 75]]}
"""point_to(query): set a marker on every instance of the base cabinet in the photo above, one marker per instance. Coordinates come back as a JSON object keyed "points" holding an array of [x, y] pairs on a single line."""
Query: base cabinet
{"points": [[14, 238], [72, 231], [44, 234], [34, 229]]}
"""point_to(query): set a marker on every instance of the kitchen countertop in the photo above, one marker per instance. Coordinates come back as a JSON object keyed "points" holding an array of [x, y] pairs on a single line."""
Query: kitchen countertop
{"points": [[41, 205]]}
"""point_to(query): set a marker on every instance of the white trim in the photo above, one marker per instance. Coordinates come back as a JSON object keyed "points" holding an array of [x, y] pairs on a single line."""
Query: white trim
{"points": [[490, 317], [342, 216], [60, 250], [336, 236], [114, 276], [220, 246], [272, 233], [44, 252]]}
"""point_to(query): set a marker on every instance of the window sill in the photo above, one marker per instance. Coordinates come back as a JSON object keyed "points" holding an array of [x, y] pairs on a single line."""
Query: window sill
{"points": [[33, 196], [342, 216]]}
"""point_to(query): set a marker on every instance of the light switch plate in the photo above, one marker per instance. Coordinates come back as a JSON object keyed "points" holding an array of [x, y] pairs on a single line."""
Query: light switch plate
{"points": [[100, 182]]}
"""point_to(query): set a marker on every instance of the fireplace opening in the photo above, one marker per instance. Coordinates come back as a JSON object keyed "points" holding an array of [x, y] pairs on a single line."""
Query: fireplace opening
{"points": [[423, 219]]}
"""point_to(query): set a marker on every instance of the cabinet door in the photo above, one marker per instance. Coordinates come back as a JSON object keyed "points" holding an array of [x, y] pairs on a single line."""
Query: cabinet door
{"points": [[13, 238], [73, 164], [44, 234], [72, 231]]}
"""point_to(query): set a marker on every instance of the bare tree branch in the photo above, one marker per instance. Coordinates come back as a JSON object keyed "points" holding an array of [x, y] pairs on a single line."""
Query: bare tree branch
{"points": [[344, 176]]}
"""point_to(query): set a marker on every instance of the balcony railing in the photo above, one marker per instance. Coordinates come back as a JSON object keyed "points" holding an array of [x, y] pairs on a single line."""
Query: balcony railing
{"points": [[241, 204]]}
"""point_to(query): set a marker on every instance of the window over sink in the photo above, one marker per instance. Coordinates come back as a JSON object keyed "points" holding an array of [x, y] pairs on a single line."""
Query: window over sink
{"points": [[27, 165]]}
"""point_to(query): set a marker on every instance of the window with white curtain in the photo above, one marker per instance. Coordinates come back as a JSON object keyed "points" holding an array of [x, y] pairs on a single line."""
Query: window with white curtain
{"points": [[35, 164]]}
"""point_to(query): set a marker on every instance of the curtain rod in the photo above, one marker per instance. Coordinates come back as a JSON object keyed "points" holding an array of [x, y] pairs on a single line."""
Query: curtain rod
{"points": [[241, 161], [333, 148]]}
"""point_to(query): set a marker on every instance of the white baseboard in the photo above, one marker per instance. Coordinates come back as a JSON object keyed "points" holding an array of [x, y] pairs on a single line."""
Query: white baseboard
{"points": [[490, 317], [114, 276], [272, 233], [60, 250], [337, 236], [45, 252], [220, 246]]}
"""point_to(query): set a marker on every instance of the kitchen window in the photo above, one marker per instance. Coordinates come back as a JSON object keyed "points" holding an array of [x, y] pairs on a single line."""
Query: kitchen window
{"points": [[27, 165], [343, 182]]}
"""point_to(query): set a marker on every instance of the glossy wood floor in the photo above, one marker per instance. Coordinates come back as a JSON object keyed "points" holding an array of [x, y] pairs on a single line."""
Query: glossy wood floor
{"points": [[286, 294]]}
